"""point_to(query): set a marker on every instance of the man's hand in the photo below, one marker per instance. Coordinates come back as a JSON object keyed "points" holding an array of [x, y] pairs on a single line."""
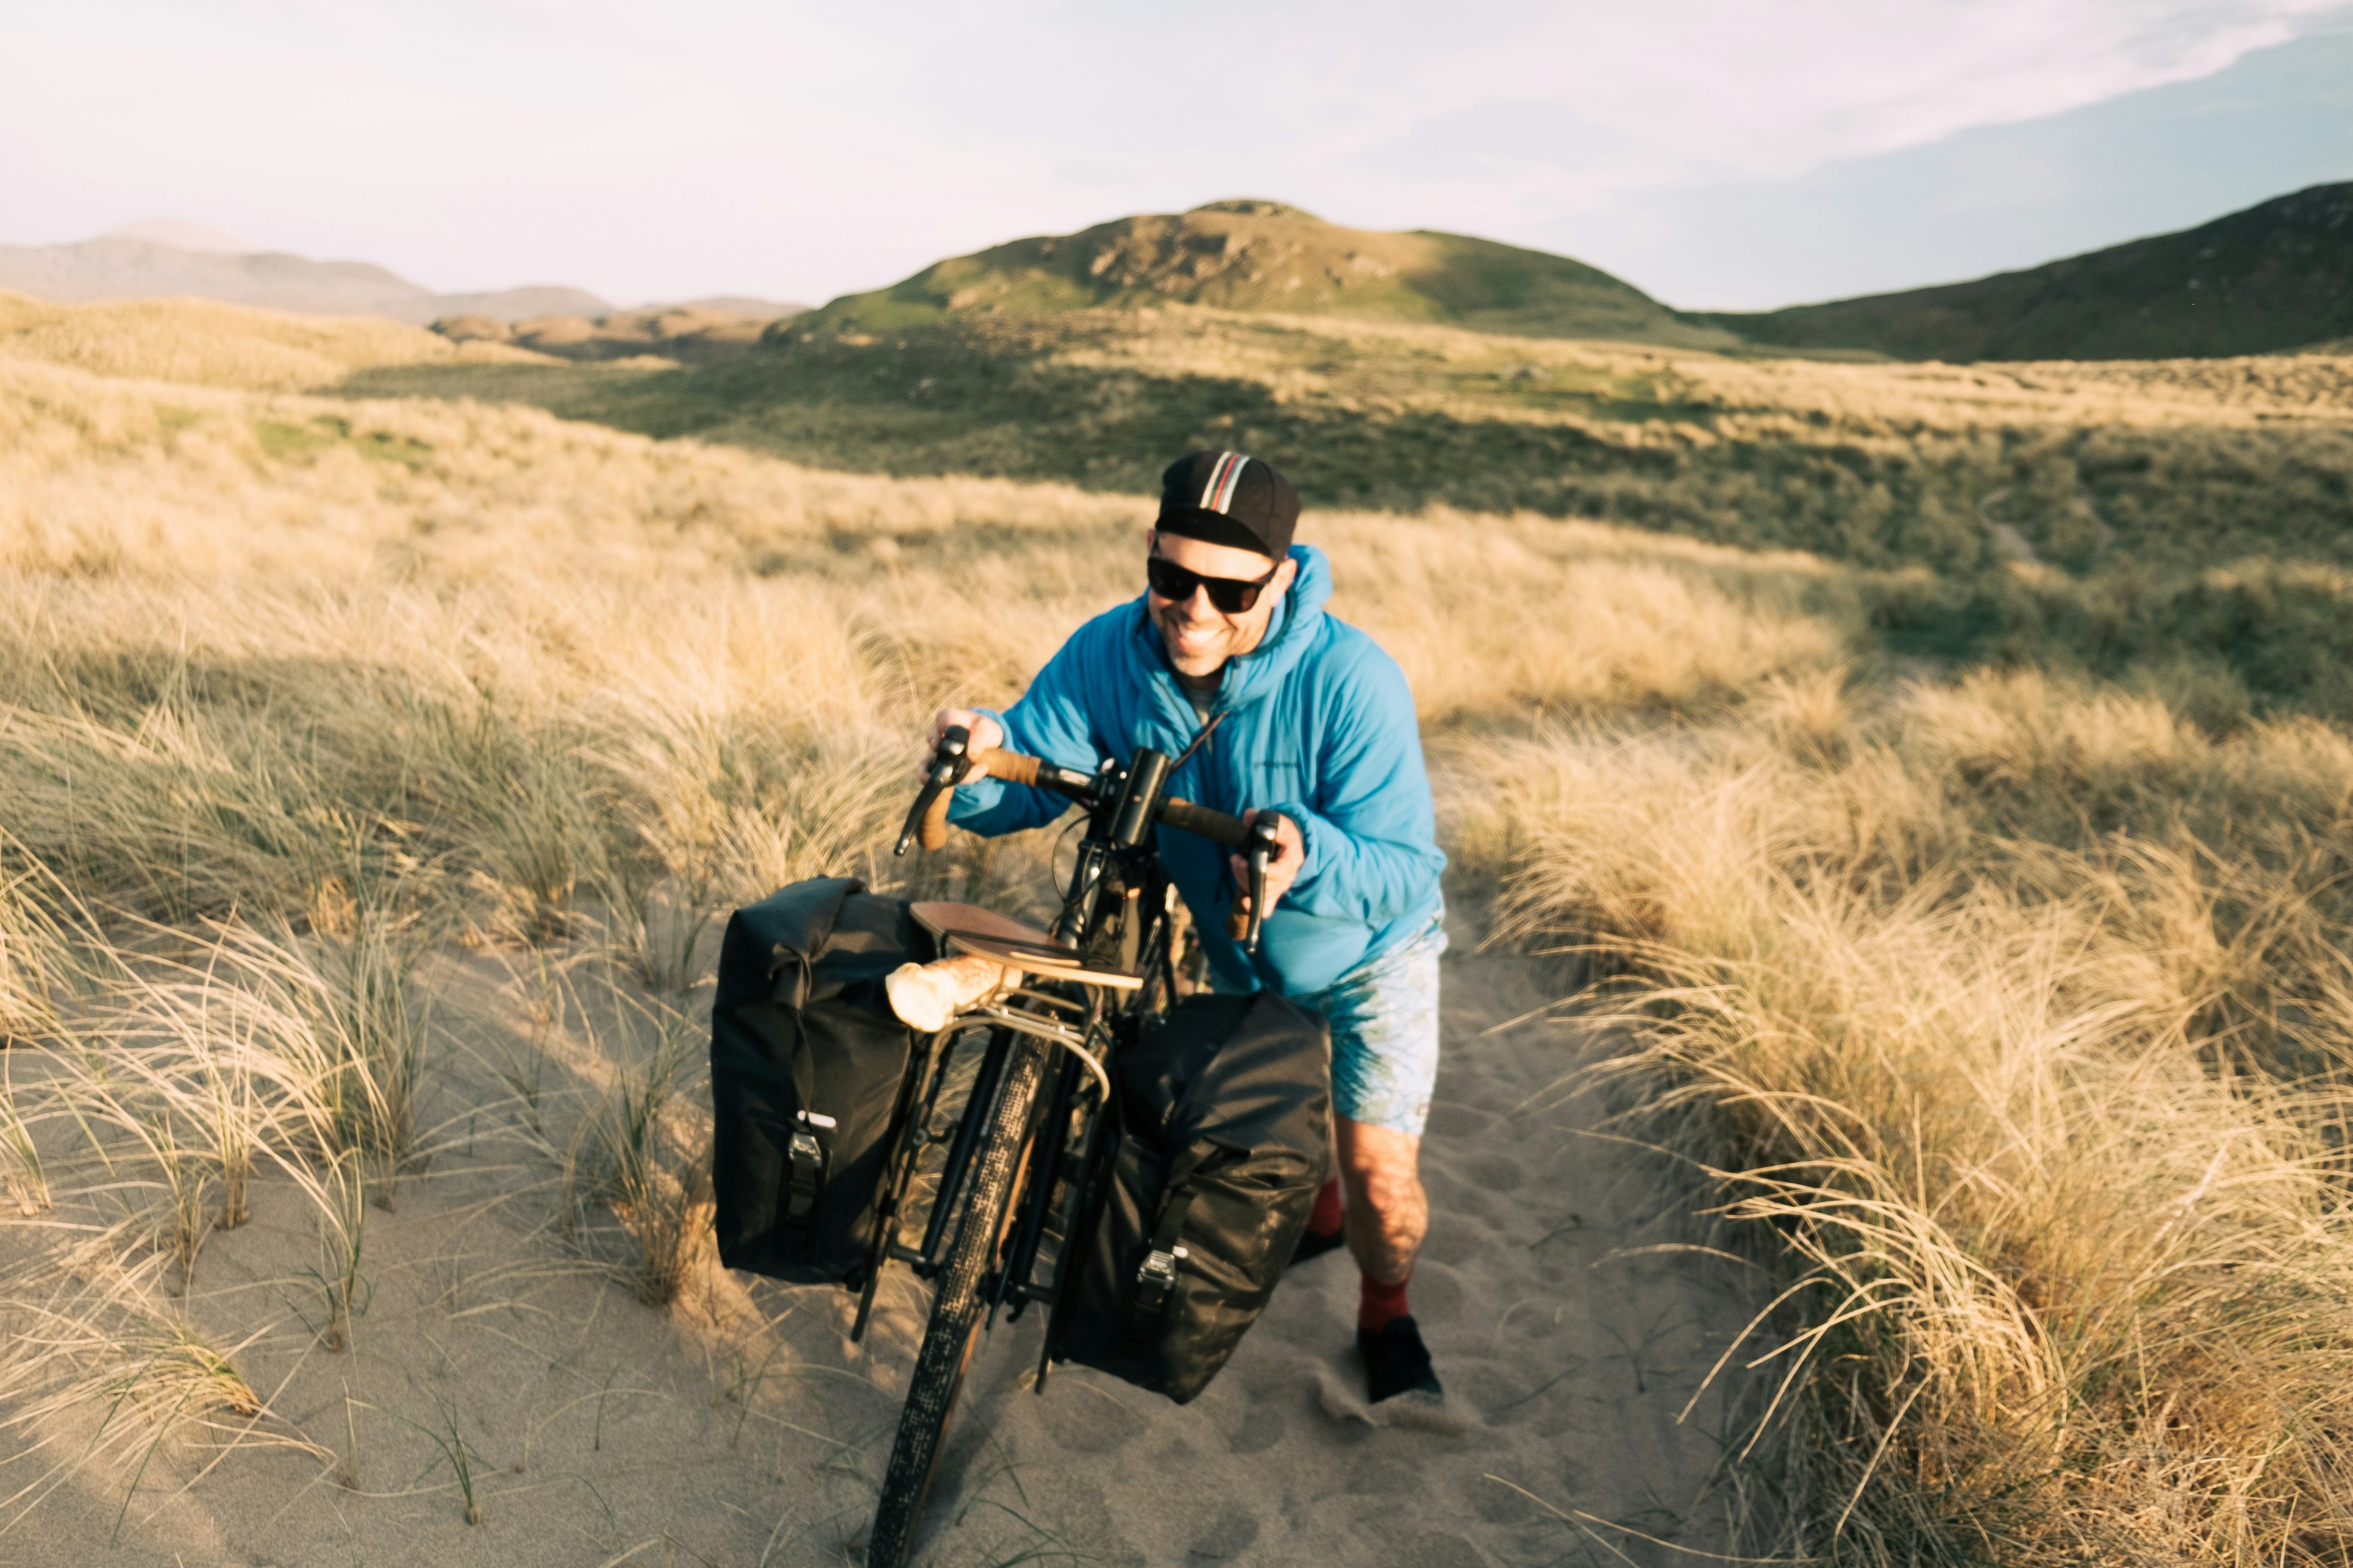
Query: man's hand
{"points": [[1281, 872], [986, 733]]}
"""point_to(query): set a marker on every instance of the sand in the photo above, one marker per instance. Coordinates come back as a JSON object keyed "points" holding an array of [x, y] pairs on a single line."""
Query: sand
{"points": [[740, 1428]]}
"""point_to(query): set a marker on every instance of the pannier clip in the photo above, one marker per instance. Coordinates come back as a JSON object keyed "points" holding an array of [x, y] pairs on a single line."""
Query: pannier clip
{"points": [[804, 1178], [1156, 1279]]}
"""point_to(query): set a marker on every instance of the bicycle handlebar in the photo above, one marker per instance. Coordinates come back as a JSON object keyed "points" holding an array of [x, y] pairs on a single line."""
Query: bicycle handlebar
{"points": [[928, 822], [1217, 826], [1013, 767]]}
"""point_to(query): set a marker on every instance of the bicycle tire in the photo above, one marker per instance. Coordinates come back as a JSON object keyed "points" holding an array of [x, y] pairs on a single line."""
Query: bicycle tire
{"points": [[948, 1338]]}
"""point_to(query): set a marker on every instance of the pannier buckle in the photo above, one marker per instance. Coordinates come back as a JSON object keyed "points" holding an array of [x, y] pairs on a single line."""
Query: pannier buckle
{"points": [[1156, 1288], [804, 1185], [1155, 1283]]}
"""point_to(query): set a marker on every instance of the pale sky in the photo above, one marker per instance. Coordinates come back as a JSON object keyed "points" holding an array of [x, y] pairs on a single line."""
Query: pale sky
{"points": [[1726, 152]]}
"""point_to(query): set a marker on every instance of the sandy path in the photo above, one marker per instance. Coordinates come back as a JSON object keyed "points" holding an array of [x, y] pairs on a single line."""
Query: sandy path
{"points": [[599, 1432], [1565, 1373]]}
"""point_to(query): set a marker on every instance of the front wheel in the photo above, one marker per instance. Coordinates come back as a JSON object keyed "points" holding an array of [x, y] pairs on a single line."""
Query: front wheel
{"points": [[955, 1313]]}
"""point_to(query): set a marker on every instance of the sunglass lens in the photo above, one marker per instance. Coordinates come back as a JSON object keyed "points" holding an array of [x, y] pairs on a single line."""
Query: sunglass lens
{"points": [[1171, 581], [1234, 598]]}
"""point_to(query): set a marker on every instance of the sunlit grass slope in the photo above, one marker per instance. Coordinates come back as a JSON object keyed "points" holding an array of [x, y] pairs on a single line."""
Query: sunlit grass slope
{"points": [[2157, 466], [216, 344]]}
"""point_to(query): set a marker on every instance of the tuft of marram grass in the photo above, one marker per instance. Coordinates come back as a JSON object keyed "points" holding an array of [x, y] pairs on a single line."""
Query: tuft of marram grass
{"points": [[643, 1153]]}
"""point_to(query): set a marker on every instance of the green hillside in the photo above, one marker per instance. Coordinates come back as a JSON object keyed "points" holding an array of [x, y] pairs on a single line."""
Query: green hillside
{"points": [[2275, 277], [1265, 256], [2082, 467]]}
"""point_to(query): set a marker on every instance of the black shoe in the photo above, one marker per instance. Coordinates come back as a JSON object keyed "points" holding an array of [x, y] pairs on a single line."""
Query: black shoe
{"points": [[1315, 1244], [1395, 1360]]}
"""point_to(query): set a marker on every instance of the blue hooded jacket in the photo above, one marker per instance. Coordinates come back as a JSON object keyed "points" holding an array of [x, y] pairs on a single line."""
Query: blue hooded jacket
{"points": [[1320, 727]]}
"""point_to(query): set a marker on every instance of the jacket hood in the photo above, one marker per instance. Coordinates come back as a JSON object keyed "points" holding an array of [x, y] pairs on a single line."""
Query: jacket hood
{"points": [[1289, 635]]}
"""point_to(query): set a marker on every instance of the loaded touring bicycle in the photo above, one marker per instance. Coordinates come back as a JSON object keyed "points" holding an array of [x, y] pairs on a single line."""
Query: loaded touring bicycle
{"points": [[1018, 1117]]}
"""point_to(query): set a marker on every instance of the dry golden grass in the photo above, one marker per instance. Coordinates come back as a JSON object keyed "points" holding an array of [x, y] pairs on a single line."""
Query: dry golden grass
{"points": [[2019, 1014], [1445, 367], [206, 342], [2140, 476], [294, 684], [2009, 1013]]}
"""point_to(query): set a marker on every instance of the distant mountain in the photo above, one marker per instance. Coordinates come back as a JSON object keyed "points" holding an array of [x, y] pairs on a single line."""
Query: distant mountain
{"points": [[167, 257], [2276, 275], [1263, 256], [182, 235]]}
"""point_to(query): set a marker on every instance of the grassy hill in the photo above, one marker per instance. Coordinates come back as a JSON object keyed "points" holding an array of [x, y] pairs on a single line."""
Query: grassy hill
{"points": [[1265, 256], [2094, 512], [2278, 275], [214, 344], [1883, 465]]}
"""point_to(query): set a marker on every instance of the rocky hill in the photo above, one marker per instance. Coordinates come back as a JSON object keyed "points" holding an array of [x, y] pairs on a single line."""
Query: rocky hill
{"points": [[2274, 277], [1251, 255]]}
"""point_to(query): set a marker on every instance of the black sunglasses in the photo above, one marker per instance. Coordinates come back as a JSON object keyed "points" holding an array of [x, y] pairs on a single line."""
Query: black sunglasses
{"points": [[1231, 594]]}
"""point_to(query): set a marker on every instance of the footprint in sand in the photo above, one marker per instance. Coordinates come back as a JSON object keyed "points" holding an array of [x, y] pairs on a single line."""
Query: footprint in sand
{"points": [[1343, 1401]]}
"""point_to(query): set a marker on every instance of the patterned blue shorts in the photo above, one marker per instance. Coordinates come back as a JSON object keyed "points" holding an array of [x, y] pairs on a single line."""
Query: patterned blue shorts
{"points": [[1384, 1018]]}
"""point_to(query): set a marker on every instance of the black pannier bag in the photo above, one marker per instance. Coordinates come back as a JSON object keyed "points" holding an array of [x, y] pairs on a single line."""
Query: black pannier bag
{"points": [[1223, 1135], [809, 1073]]}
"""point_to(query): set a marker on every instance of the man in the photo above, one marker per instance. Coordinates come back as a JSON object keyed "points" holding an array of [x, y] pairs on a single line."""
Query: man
{"points": [[1317, 725]]}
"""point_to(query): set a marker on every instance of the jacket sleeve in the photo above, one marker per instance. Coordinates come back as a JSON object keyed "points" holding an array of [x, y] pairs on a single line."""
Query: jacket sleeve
{"points": [[1371, 833], [1051, 720]]}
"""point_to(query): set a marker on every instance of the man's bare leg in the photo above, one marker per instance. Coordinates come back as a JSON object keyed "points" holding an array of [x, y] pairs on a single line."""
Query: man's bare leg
{"points": [[1388, 1213], [1380, 1173]]}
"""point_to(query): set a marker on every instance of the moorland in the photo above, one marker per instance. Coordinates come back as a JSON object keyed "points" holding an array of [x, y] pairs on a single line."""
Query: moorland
{"points": [[1920, 796]]}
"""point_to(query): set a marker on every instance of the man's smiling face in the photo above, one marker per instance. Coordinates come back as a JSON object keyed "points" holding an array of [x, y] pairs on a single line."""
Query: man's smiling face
{"points": [[1200, 637]]}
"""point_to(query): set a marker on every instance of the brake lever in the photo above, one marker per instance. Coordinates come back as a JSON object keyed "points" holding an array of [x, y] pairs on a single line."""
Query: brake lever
{"points": [[1265, 845], [947, 766]]}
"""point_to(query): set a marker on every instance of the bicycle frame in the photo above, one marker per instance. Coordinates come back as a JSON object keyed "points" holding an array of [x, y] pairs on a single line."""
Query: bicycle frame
{"points": [[1117, 910]]}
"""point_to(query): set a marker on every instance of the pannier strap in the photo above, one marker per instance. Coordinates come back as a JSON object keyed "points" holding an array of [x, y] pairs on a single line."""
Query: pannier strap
{"points": [[791, 978], [803, 1188]]}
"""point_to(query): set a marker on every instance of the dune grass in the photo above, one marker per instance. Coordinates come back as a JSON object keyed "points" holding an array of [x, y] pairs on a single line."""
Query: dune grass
{"points": [[283, 717], [2016, 1014], [2006, 1013]]}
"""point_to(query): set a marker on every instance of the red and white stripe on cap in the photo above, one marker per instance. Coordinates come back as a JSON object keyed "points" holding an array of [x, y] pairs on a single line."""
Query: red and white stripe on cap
{"points": [[1219, 493]]}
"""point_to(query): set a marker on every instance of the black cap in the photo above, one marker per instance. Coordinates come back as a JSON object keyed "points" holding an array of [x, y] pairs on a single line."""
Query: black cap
{"points": [[1226, 497]]}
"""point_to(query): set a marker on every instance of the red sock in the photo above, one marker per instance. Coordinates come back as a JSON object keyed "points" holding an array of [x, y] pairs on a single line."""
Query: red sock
{"points": [[1325, 1220], [1380, 1304]]}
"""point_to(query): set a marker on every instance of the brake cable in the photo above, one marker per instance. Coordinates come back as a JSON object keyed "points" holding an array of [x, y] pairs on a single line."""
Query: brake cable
{"points": [[1207, 730]]}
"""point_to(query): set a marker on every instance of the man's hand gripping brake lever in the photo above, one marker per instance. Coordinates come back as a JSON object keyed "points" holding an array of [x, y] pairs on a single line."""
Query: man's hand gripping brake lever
{"points": [[947, 768], [1267, 848]]}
